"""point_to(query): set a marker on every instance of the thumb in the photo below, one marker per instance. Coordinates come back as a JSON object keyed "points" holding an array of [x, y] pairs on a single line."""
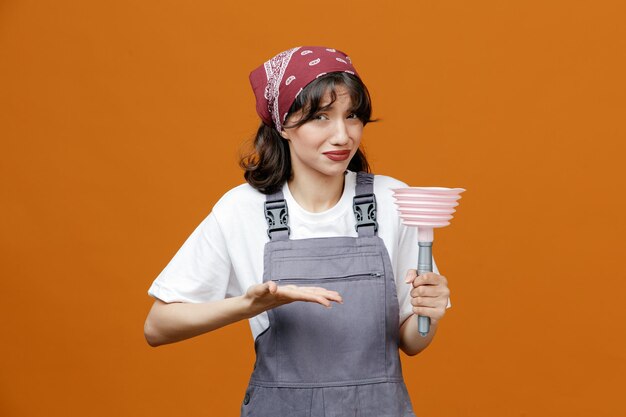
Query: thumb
{"points": [[259, 290], [410, 276], [271, 287]]}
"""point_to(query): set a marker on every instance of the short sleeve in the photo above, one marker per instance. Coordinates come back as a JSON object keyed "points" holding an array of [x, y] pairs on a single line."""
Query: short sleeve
{"points": [[200, 271]]}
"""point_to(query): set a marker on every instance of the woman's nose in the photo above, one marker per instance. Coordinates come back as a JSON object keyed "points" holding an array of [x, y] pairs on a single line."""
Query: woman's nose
{"points": [[341, 135]]}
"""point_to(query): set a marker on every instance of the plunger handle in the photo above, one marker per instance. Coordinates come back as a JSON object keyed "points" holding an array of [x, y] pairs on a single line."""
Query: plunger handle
{"points": [[424, 264]]}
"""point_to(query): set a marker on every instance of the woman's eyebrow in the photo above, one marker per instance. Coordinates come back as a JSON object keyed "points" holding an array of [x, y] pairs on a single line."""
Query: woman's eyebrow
{"points": [[331, 105]]}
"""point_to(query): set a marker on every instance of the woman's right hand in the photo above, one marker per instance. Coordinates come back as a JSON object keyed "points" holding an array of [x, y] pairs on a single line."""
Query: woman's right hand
{"points": [[269, 295], [175, 321]]}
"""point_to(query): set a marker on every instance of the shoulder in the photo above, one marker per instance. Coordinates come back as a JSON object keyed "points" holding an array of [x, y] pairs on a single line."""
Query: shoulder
{"points": [[384, 186], [240, 197], [387, 181], [239, 206]]}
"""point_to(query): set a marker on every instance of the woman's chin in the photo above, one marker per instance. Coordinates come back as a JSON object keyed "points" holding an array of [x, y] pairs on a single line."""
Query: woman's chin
{"points": [[336, 170]]}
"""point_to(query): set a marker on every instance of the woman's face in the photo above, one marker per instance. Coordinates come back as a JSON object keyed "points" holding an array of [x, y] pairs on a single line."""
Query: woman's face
{"points": [[326, 144]]}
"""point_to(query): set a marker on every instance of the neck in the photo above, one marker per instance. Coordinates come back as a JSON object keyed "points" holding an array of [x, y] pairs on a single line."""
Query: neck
{"points": [[316, 193]]}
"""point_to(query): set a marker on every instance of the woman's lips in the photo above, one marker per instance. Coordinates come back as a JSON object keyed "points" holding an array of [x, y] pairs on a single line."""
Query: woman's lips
{"points": [[337, 155]]}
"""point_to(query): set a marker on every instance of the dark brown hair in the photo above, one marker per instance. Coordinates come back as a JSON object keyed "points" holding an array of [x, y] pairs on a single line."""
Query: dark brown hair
{"points": [[268, 166]]}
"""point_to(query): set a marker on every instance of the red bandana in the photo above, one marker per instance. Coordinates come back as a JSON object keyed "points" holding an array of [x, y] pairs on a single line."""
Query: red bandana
{"points": [[278, 82]]}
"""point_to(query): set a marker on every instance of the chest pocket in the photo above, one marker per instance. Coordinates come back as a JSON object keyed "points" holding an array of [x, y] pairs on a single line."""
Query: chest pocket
{"points": [[344, 343]]}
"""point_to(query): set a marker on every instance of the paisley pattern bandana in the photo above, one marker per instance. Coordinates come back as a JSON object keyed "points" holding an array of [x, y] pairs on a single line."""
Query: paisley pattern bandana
{"points": [[277, 82]]}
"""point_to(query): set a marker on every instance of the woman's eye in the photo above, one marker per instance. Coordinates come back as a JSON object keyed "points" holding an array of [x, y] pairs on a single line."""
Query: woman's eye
{"points": [[325, 117]]}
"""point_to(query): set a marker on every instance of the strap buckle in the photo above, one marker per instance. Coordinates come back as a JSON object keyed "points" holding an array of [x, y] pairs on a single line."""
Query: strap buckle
{"points": [[277, 216], [364, 207]]}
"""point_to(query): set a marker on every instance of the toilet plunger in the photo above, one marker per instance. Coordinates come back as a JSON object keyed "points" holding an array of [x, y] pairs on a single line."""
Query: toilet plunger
{"points": [[426, 208]]}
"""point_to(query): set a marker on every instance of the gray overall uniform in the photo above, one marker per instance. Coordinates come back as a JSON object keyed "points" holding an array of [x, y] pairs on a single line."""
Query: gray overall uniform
{"points": [[317, 362]]}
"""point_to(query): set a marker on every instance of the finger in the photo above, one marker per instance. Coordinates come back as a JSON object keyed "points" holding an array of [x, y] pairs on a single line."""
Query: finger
{"points": [[320, 290], [426, 302], [430, 278], [432, 302], [331, 295], [433, 313], [328, 294], [430, 291], [321, 300], [259, 290], [410, 276], [317, 299], [272, 287], [298, 294]]}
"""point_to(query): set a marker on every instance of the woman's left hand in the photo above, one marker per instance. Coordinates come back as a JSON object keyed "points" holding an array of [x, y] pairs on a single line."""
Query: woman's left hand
{"points": [[429, 295]]}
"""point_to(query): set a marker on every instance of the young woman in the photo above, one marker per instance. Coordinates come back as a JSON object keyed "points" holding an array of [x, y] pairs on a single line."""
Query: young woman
{"points": [[311, 251]]}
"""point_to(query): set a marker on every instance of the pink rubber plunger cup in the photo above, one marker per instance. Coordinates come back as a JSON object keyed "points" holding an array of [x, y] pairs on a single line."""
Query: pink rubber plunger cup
{"points": [[426, 208]]}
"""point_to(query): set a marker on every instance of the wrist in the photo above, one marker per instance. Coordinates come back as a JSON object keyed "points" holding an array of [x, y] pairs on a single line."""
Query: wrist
{"points": [[254, 305]]}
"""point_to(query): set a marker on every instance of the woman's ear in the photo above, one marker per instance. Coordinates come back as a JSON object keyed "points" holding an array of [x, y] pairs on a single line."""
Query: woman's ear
{"points": [[284, 134]]}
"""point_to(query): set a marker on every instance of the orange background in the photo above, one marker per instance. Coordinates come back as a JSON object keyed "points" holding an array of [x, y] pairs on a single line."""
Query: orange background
{"points": [[121, 123]]}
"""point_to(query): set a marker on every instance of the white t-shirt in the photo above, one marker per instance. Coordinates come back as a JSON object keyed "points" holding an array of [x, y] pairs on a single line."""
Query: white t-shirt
{"points": [[223, 256]]}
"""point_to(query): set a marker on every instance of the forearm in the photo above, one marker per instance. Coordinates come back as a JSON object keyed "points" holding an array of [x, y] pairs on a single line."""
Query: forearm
{"points": [[173, 322], [411, 342]]}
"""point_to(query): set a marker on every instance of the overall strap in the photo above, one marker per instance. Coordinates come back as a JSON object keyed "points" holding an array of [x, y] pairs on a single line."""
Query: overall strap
{"points": [[364, 205], [277, 216]]}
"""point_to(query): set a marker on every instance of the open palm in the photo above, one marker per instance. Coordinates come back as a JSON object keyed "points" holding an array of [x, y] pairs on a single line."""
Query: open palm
{"points": [[270, 295]]}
